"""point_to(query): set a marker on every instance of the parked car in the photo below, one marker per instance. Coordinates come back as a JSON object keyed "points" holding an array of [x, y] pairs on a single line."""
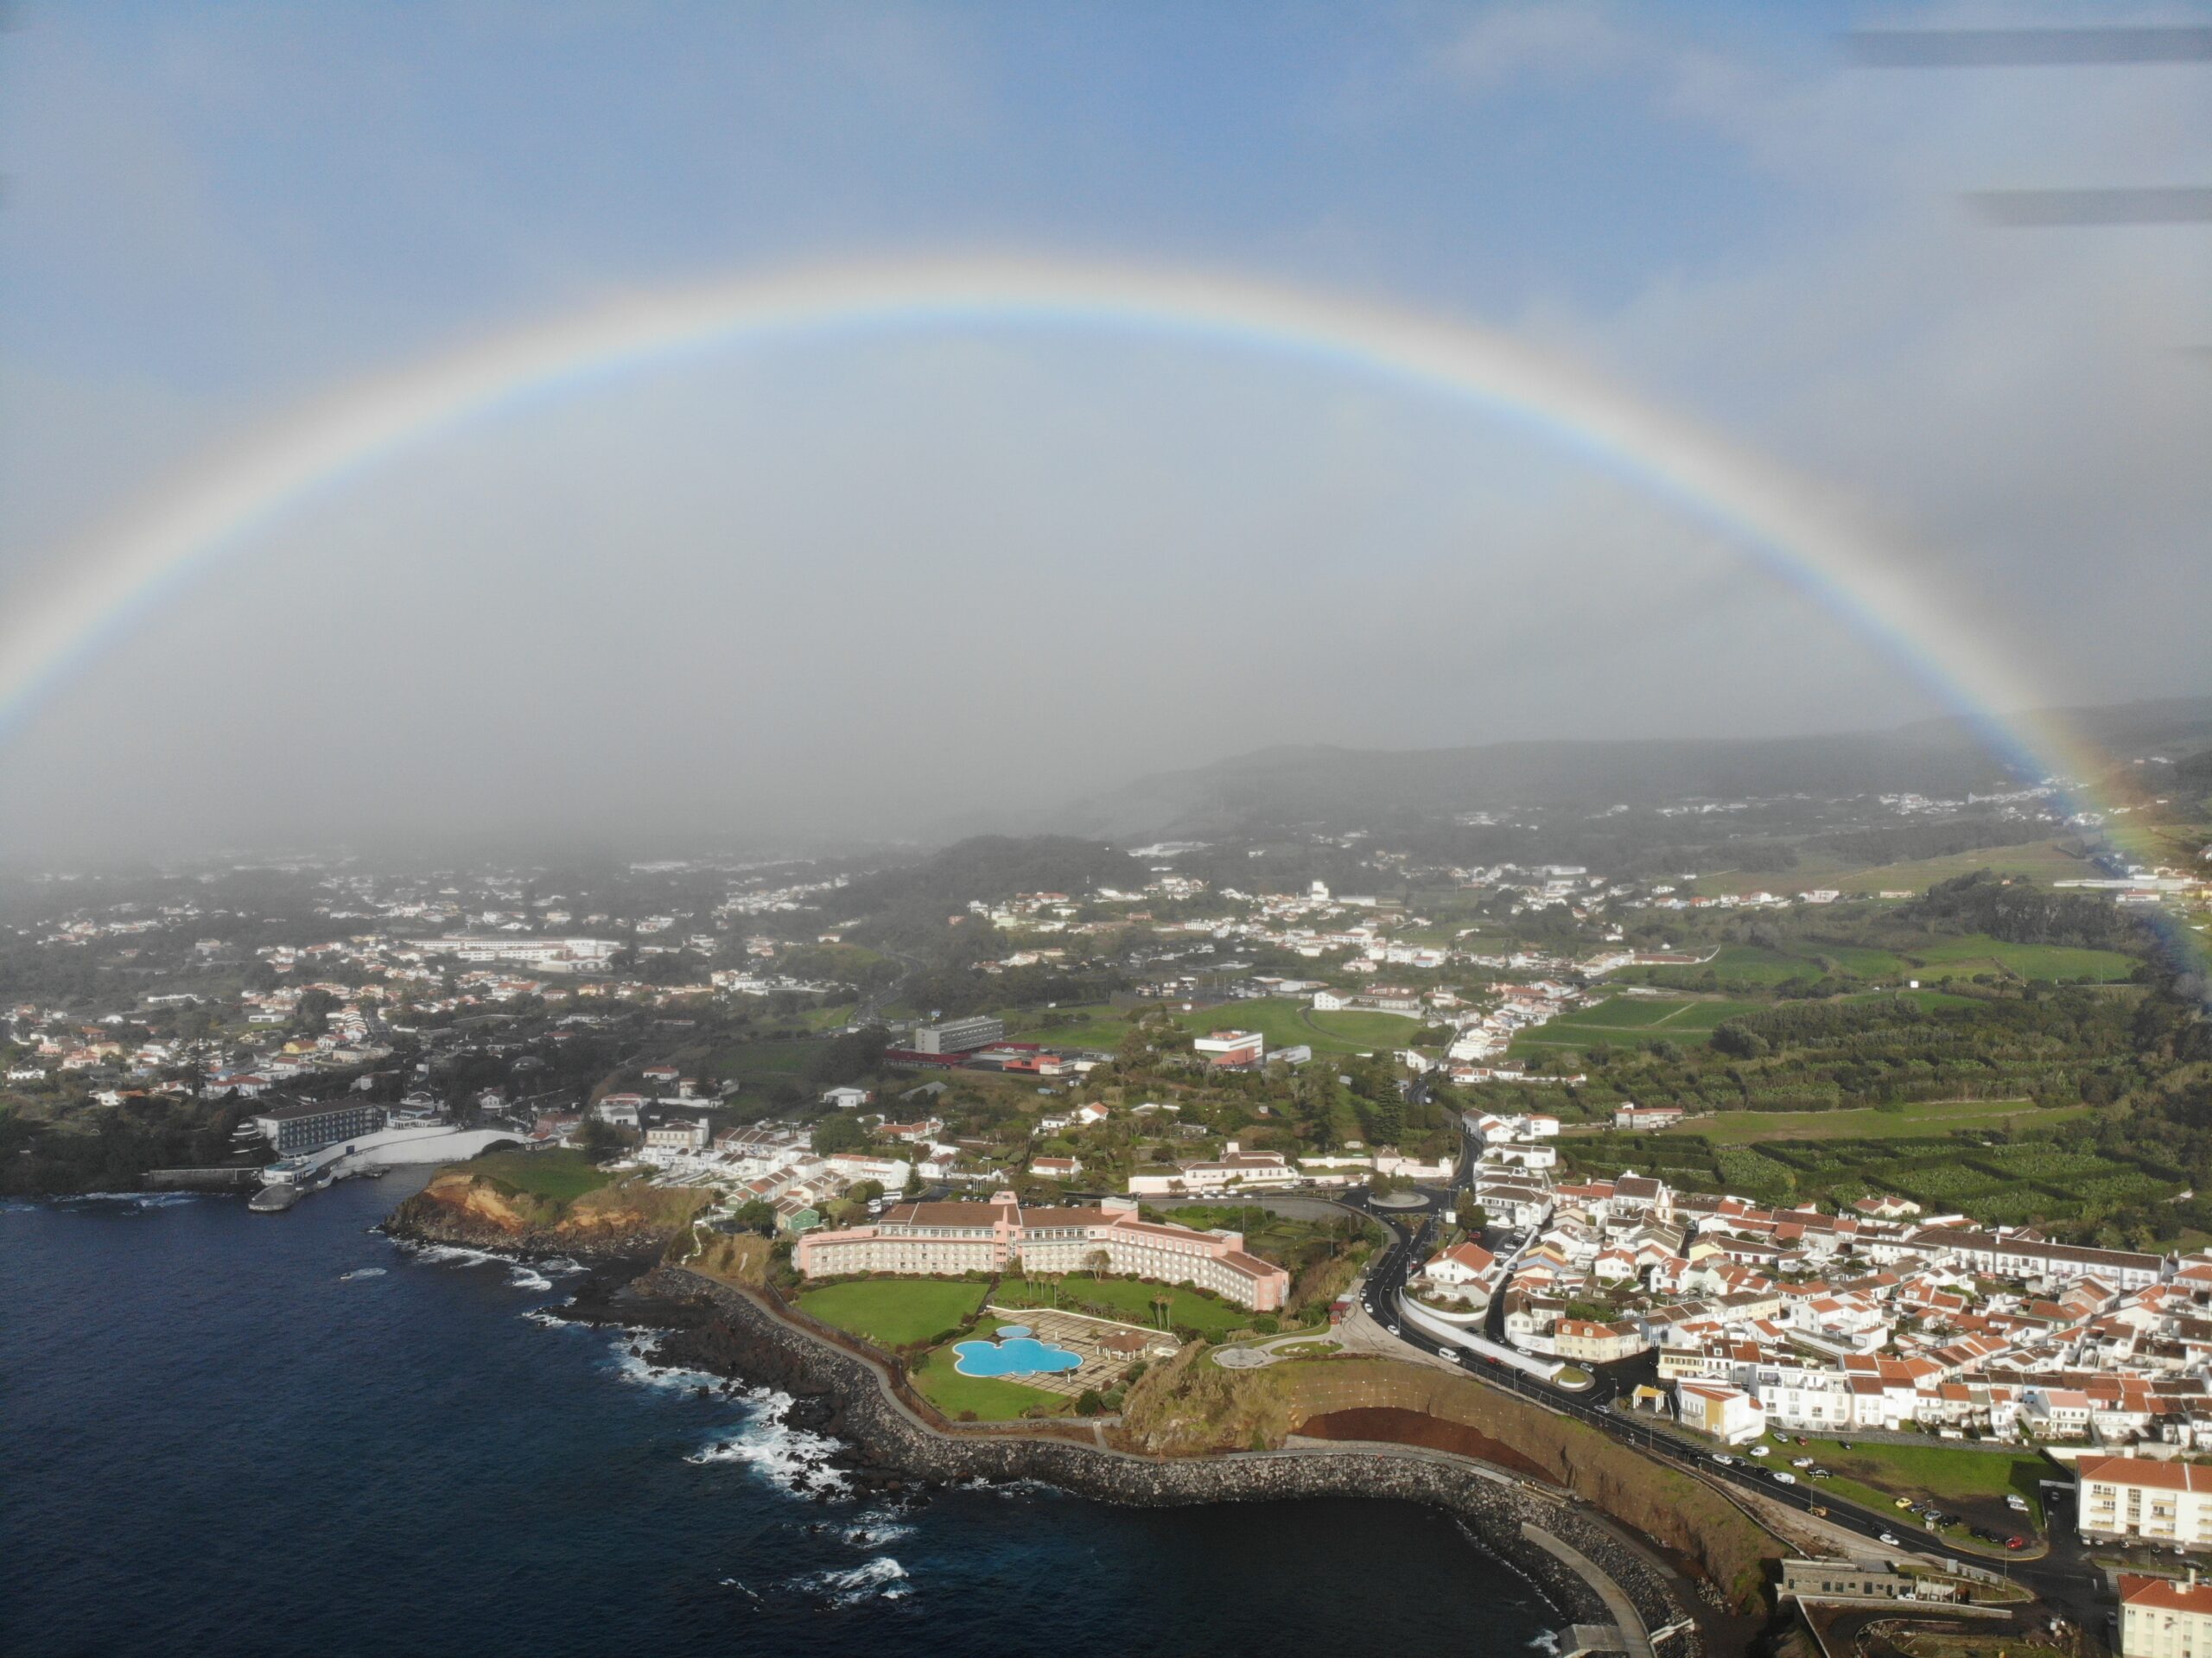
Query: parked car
{"points": [[1758, 1451], [1902, 1502], [1801, 1461], [2015, 1501], [2021, 1542]]}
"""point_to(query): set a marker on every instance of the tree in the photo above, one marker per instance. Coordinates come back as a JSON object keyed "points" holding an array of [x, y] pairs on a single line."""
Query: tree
{"points": [[755, 1216], [841, 1132], [1471, 1215], [598, 1141]]}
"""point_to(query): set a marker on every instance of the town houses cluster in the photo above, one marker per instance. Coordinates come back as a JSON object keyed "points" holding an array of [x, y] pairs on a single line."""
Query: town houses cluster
{"points": [[1877, 1317]]}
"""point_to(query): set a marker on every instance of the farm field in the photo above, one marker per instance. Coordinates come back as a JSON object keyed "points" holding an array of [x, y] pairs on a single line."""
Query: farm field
{"points": [[2038, 861], [1917, 1120], [1629, 1020], [1290, 1023], [1977, 953], [2035, 1181], [894, 1311], [768, 1060]]}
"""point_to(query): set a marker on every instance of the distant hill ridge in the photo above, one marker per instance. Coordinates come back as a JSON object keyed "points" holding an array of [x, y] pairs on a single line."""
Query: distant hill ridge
{"points": [[1946, 757]]}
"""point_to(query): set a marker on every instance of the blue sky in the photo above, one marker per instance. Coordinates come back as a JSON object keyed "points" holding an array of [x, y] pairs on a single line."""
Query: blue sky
{"points": [[215, 211]]}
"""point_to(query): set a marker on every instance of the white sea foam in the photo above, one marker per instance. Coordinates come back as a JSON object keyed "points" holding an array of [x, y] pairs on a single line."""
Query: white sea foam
{"points": [[136, 1199], [642, 1372], [446, 1254], [360, 1272], [875, 1530], [792, 1458], [525, 1278], [545, 1320], [880, 1579]]}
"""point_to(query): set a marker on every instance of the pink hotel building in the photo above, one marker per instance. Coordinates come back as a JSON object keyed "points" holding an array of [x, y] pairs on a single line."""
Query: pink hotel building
{"points": [[1002, 1236]]}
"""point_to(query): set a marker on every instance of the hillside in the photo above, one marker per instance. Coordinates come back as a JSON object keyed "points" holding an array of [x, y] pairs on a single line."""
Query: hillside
{"points": [[1945, 757]]}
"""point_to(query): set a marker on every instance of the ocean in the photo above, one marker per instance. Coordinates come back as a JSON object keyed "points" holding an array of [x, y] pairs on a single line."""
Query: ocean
{"points": [[225, 1433]]}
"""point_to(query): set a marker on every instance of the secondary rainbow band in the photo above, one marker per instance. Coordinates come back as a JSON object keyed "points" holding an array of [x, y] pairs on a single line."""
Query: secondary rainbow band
{"points": [[120, 572]]}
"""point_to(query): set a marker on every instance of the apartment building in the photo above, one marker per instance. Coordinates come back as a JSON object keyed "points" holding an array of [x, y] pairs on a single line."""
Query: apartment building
{"points": [[2164, 1617], [2168, 1503]]}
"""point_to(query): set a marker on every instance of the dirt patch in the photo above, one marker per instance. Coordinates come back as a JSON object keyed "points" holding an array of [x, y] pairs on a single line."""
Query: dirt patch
{"points": [[1416, 1427]]}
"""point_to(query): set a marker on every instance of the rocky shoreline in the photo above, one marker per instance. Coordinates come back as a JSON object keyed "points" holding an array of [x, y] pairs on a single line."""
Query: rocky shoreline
{"points": [[712, 1328]]}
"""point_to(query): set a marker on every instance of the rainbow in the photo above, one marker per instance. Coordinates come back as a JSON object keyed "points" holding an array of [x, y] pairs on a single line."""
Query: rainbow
{"points": [[122, 570]]}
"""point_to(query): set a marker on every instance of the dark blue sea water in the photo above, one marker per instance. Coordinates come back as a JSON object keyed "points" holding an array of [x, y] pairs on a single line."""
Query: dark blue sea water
{"points": [[213, 1440]]}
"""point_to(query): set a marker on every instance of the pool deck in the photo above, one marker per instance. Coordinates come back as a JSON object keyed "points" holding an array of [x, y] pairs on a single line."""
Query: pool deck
{"points": [[1080, 1334]]}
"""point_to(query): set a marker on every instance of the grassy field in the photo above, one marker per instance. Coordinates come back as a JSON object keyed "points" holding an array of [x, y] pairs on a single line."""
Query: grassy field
{"points": [[561, 1176], [1096, 1025], [1946, 1474], [767, 1060], [1916, 1122], [992, 1398], [1625, 1021], [2038, 861], [894, 1311], [1130, 1300], [1955, 958], [1289, 1024]]}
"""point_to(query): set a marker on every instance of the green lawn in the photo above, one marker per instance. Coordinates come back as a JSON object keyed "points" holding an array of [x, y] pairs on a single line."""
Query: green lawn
{"points": [[561, 1176], [1287, 1024], [1916, 1122], [894, 1311], [992, 1398], [773, 1059], [1877, 1474], [1130, 1300]]}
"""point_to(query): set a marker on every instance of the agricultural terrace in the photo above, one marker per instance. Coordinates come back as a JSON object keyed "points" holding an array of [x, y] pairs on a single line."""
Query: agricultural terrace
{"points": [[2039, 1181], [1919, 1121]]}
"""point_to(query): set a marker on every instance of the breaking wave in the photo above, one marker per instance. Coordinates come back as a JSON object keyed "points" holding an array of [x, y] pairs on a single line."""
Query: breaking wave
{"points": [[360, 1272], [881, 1578], [793, 1459]]}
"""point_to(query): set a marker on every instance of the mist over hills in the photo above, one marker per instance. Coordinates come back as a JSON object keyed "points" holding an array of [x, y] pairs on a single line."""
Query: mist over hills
{"points": [[1948, 757]]}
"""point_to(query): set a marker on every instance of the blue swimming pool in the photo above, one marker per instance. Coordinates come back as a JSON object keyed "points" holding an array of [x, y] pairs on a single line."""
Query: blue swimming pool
{"points": [[1020, 1356]]}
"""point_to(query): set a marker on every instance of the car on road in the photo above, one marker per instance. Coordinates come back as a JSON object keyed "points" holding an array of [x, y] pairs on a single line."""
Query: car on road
{"points": [[1781, 1477], [1891, 1538], [1726, 1462]]}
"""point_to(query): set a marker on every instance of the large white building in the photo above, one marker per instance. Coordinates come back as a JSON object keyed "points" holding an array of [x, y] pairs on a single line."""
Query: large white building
{"points": [[2164, 1617], [2168, 1503], [1001, 1236]]}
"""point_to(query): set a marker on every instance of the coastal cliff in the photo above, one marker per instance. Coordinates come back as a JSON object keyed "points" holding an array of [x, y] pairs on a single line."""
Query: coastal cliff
{"points": [[732, 1333], [478, 1206]]}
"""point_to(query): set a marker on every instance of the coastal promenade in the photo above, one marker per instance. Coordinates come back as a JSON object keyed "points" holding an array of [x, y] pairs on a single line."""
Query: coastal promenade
{"points": [[1592, 1577]]}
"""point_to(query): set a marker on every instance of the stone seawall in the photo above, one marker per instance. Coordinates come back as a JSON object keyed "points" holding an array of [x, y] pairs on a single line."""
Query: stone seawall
{"points": [[743, 1337]]}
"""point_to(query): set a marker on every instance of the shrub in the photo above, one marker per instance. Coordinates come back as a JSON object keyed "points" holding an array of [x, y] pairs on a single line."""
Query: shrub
{"points": [[1088, 1403]]}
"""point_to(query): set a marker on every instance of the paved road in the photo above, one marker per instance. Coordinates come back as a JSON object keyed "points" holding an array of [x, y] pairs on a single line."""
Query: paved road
{"points": [[2063, 1578]]}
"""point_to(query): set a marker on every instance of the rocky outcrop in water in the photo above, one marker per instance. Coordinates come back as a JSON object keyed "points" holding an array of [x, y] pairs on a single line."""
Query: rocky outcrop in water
{"points": [[622, 1220]]}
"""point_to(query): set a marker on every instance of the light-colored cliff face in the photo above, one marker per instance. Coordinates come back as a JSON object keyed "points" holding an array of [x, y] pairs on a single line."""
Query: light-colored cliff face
{"points": [[623, 1217]]}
